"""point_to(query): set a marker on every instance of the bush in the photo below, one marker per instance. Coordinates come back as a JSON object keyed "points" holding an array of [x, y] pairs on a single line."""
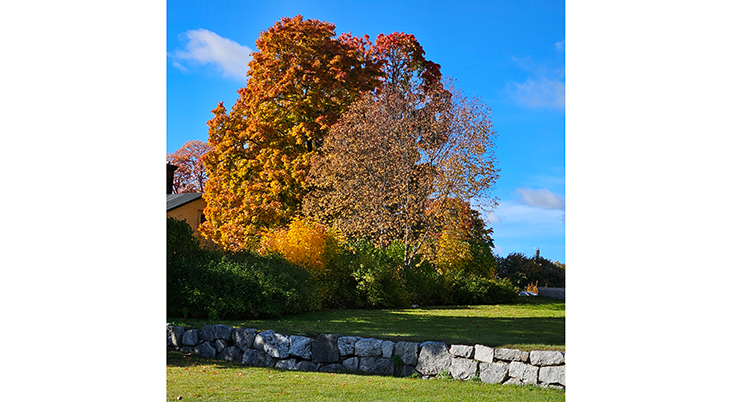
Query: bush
{"points": [[480, 290], [523, 271], [181, 243], [365, 276], [426, 286], [552, 274], [307, 244], [221, 286]]}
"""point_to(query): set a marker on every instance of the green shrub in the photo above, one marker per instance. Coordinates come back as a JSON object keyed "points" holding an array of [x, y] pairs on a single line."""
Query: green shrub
{"points": [[221, 286], [479, 290], [181, 243], [523, 271], [552, 274], [366, 276], [426, 286]]}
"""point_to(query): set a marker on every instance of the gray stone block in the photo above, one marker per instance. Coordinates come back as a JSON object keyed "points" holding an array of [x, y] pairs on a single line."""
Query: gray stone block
{"points": [[514, 381], [286, 364], [552, 375], [376, 365], [351, 364], [484, 353], [305, 365], [346, 345], [206, 350], [434, 358], [269, 361], [275, 345], [368, 347], [300, 346], [219, 345], [463, 369], [405, 371], [387, 349], [332, 368], [243, 338], [507, 355], [189, 349], [407, 351], [462, 351], [253, 357], [493, 373], [527, 373], [175, 336], [546, 358], [216, 331], [325, 349], [191, 337], [230, 353], [257, 358]]}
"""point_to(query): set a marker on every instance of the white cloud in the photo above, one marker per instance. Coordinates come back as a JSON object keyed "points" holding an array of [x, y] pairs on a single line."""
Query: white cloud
{"points": [[539, 92], [511, 212], [205, 47], [179, 66], [491, 217], [560, 46], [541, 198]]}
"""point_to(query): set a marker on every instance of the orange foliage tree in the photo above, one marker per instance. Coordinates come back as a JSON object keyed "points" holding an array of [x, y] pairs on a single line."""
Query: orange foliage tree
{"points": [[301, 79], [190, 176]]}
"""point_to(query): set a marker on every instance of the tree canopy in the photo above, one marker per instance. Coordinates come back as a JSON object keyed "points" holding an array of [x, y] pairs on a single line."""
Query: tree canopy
{"points": [[301, 79], [401, 152], [190, 175], [366, 138]]}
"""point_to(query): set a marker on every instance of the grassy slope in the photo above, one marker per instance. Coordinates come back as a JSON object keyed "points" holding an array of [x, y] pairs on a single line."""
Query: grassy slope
{"points": [[194, 378], [531, 324]]}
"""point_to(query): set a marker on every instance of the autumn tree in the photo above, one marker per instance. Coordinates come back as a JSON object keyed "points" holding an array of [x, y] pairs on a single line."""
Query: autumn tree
{"points": [[409, 146], [300, 81], [306, 244], [462, 243], [190, 176]]}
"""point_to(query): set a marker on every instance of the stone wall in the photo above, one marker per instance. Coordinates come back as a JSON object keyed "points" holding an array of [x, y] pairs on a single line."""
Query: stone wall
{"points": [[557, 293], [337, 353]]}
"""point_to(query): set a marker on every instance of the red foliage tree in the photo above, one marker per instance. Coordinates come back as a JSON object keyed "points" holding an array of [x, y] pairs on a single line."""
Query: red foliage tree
{"points": [[190, 176]]}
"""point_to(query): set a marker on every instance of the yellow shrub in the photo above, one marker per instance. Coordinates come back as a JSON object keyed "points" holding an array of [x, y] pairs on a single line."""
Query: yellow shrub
{"points": [[304, 243]]}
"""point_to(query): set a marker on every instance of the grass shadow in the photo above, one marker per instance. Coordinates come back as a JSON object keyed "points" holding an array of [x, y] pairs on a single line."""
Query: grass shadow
{"points": [[533, 323]]}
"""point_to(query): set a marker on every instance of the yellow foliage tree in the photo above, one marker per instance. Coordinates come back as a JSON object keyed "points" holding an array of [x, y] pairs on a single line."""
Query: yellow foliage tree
{"points": [[305, 243], [463, 244]]}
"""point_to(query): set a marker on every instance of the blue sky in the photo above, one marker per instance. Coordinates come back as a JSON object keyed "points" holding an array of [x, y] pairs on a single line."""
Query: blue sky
{"points": [[509, 54]]}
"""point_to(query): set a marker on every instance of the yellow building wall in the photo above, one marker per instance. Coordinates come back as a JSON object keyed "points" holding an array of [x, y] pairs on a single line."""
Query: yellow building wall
{"points": [[191, 213]]}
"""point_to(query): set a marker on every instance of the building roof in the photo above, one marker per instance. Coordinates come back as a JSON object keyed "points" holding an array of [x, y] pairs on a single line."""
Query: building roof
{"points": [[178, 200]]}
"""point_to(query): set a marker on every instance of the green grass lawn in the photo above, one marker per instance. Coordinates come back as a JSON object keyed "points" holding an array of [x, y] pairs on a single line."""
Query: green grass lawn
{"points": [[191, 378], [534, 323]]}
